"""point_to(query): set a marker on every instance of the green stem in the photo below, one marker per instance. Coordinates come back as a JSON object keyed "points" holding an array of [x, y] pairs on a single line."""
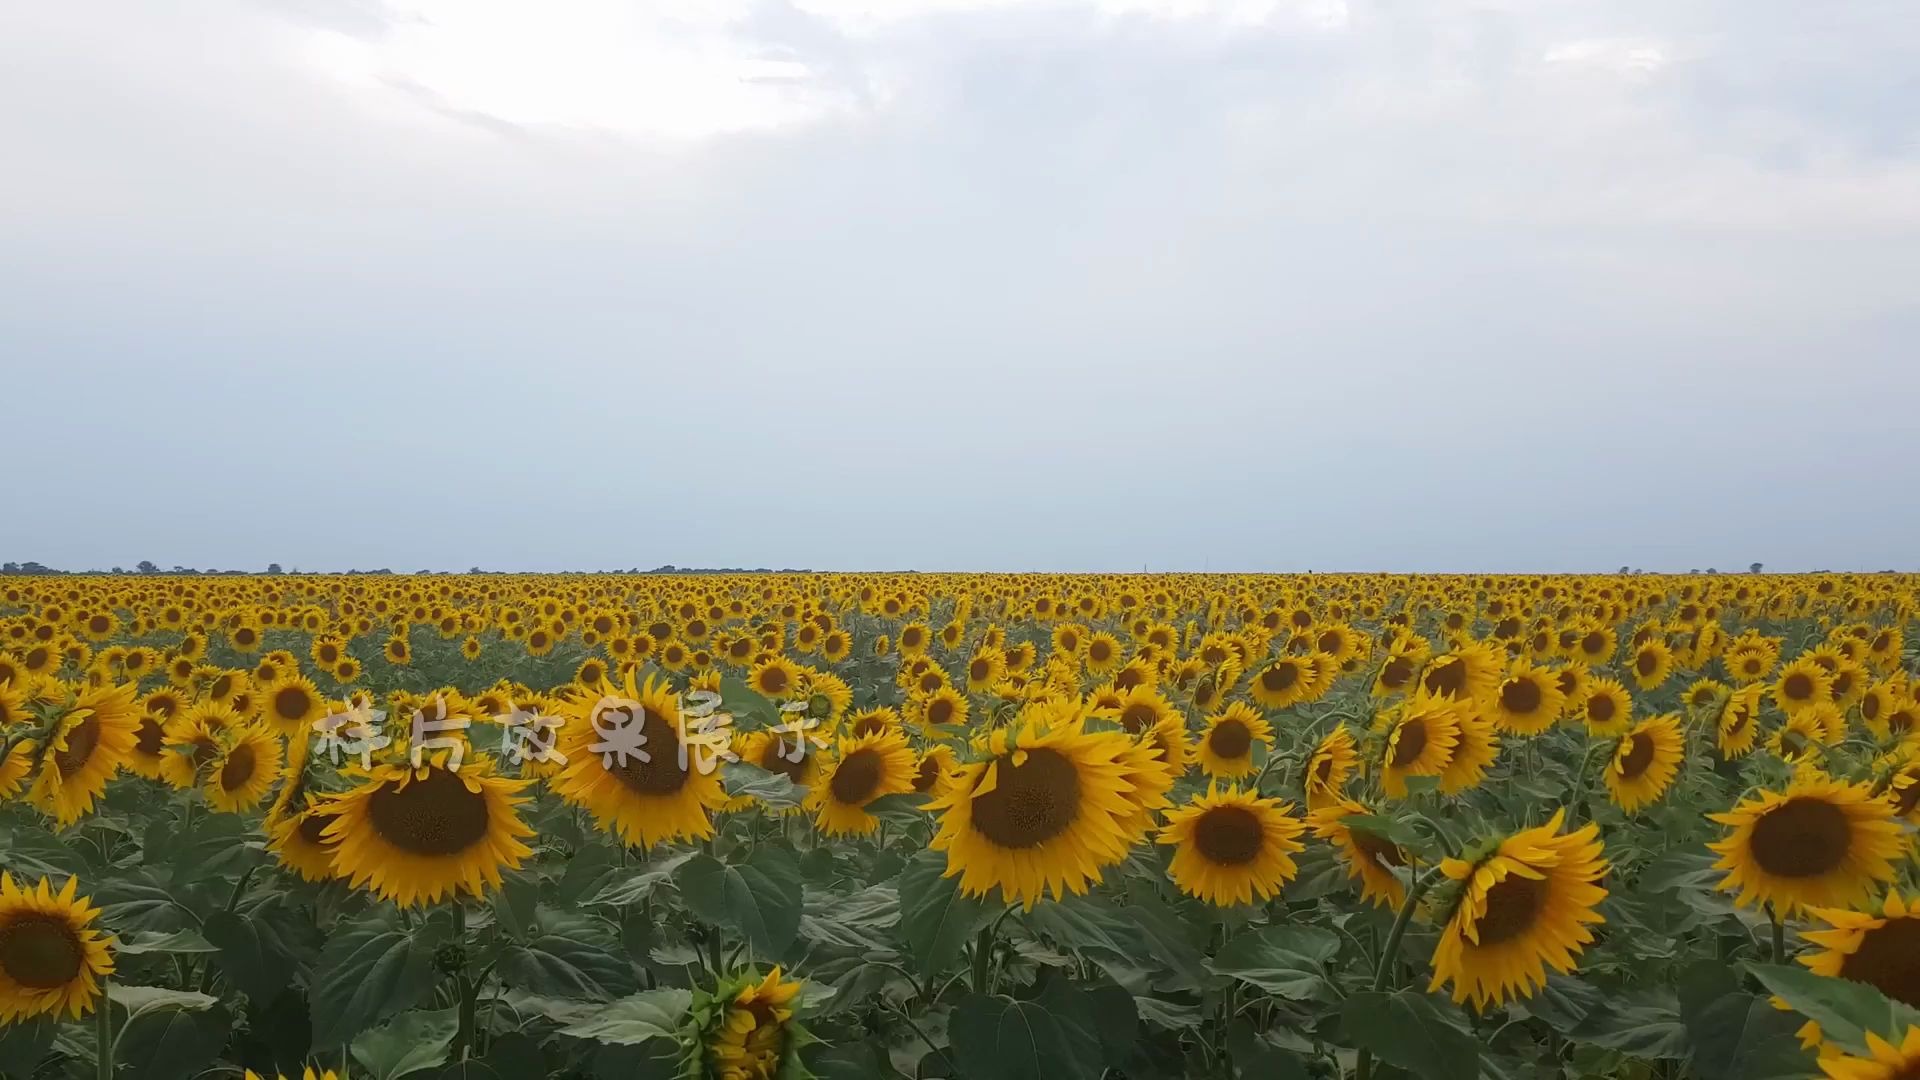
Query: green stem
{"points": [[1779, 935], [983, 958], [1390, 952], [463, 1037], [103, 1032]]}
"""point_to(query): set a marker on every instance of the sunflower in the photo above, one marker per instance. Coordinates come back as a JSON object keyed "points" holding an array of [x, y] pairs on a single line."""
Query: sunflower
{"points": [[93, 736], [51, 959], [866, 768], [1880, 950], [290, 705], [1226, 746], [1739, 726], [193, 741], [347, 670], [1421, 736], [300, 841], [1468, 673], [1798, 740], [873, 721], [1232, 846], [1802, 685], [1822, 843], [1147, 715], [749, 1029], [777, 753], [1645, 762], [637, 782], [1102, 653], [1046, 813], [243, 770], [1284, 682], [1369, 858], [934, 773], [1884, 1060], [1476, 749], [1652, 664], [1329, 767], [417, 835], [985, 668], [1527, 702], [943, 712], [775, 677], [1606, 707], [1525, 907], [14, 770]]}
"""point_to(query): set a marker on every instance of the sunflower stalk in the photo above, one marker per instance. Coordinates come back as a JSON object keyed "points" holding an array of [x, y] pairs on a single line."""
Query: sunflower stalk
{"points": [[1390, 952], [103, 1032]]}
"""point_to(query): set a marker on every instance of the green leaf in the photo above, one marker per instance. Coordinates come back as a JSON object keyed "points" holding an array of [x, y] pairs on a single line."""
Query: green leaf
{"points": [[775, 791], [855, 921], [369, 971], [24, 1044], [636, 883], [1844, 1009], [1410, 1031], [1734, 1035], [34, 853], [635, 1019], [571, 955], [171, 1039], [144, 999], [935, 918], [759, 897], [176, 942], [1255, 1058], [1099, 1023], [1288, 961], [515, 903], [410, 1041], [998, 1038], [509, 1057], [248, 954]]}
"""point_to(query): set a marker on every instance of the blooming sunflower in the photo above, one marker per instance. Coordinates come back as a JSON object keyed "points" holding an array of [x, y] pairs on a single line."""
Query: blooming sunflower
{"points": [[1524, 908], [748, 1029], [865, 768], [1527, 702], [1478, 745], [943, 712], [1821, 843], [1045, 813], [1881, 950], [300, 841], [775, 677], [1421, 737], [637, 783], [94, 735], [51, 959], [934, 774], [1285, 681], [1739, 726], [1369, 858], [1232, 845], [243, 770], [1329, 767], [416, 835], [1226, 746], [1607, 707], [1802, 684], [1884, 1061], [1652, 664], [1147, 715], [1645, 761], [1470, 672]]}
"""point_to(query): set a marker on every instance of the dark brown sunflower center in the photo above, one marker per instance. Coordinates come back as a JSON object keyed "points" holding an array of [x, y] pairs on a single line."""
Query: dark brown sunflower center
{"points": [[1323, 768], [1593, 644], [1639, 755], [773, 681], [939, 711], [1889, 959], [1513, 904], [870, 725], [1600, 708], [1279, 677], [1797, 686], [928, 772], [238, 768], [40, 952], [1520, 696], [979, 670], [1397, 672], [434, 816], [1229, 835], [151, 738], [1230, 739], [1870, 707], [1803, 837], [81, 741], [1447, 678], [1646, 663], [291, 703], [776, 758], [1138, 717], [313, 827], [1381, 851], [1412, 739], [855, 780], [1033, 802], [661, 774]]}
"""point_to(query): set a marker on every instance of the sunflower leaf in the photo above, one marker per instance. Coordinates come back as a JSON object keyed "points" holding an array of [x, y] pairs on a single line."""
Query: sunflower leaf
{"points": [[1845, 1010], [935, 918], [760, 897], [998, 1038], [635, 1019], [569, 955], [773, 790], [370, 970], [410, 1041], [1286, 961], [1411, 1031], [1734, 1035]]}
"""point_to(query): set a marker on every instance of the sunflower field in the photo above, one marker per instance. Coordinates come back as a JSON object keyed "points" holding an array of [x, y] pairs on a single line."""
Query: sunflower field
{"points": [[866, 826]]}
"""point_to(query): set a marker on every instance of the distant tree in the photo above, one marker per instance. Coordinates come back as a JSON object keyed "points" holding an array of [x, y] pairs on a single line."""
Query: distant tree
{"points": [[1695, 570], [274, 568], [9, 568], [475, 570], [145, 566], [1754, 569], [117, 570], [1623, 570], [1711, 570]]}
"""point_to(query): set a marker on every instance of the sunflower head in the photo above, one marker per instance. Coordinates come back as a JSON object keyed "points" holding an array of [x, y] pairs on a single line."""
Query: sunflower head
{"points": [[51, 959], [1232, 846], [417, 835], [865, 768], [1820, 843], [748, 1028], [1226, 747]]}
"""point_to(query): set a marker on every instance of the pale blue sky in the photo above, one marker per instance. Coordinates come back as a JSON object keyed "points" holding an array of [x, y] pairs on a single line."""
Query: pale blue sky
{"points": [[961, 284]]}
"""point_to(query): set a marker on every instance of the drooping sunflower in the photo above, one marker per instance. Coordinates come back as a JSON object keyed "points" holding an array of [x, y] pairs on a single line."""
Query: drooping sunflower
{"points": [[95, 733], [1821, 843], [1645, 761], [1881, 950], [1475, 751], [1607, 708], [1045, 813], [1370, 859], [1328, 768], [51, 958], [1147, 715], [1226, 746], [244, 769], [865, 768], [1527, 702], [415, 836], [1883, 1061], [1421, 736], [625, 765], [1232, 845], [934, 773], [1524, 908], [748, 1030], [299, 840]]}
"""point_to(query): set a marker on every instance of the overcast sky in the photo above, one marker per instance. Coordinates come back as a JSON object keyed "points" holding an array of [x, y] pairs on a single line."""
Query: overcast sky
{"points": [[961, 284]]}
